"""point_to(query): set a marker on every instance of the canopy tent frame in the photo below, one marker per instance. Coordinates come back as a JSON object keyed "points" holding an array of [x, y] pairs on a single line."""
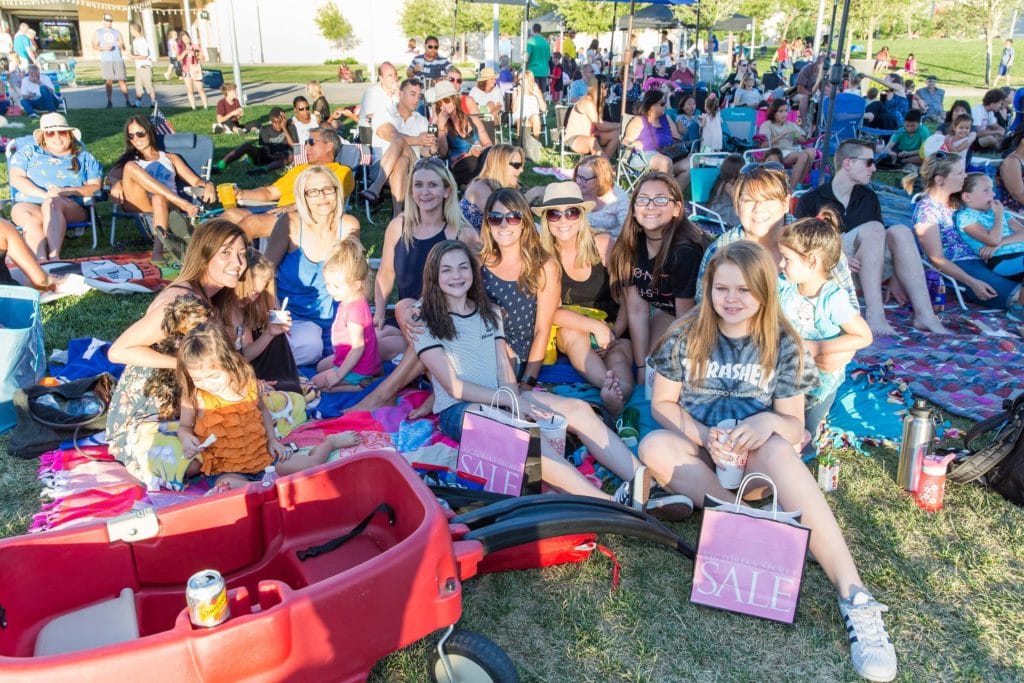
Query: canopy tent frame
{"points": [[836, 73]]}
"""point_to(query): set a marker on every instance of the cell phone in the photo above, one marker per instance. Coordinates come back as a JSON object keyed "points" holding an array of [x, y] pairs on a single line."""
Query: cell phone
{"points": [[432, 129]]}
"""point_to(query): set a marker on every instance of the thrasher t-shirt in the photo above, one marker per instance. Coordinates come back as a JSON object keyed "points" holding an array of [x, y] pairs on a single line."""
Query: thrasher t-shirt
{"points": [[735, 384]]}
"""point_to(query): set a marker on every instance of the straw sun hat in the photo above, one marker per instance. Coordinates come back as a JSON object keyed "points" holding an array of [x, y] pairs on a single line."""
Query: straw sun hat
{"points": [[560, 196], [55, 122]]}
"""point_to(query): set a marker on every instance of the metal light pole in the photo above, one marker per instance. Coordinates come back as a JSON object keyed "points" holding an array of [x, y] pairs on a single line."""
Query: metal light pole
{"points": [[236, 66]]}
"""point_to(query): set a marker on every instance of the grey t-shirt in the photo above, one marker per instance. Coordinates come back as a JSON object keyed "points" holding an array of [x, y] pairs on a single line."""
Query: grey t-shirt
{"points": [[472, 354], [735, 384]]}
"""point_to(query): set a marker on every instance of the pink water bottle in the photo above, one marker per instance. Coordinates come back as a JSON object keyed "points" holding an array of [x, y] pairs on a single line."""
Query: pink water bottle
{"points": [[932, 485]]}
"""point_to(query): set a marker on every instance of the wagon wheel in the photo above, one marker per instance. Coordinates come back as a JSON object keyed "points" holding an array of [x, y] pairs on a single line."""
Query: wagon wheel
{"points": [[472, 658]]}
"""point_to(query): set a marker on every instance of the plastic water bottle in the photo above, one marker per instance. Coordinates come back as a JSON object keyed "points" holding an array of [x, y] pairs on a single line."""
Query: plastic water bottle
{"points": [[932, 485], [918, 431], [269, 476]]}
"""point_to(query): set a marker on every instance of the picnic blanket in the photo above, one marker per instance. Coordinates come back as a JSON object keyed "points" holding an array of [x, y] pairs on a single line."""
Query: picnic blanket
{"points": [[133, 273]]}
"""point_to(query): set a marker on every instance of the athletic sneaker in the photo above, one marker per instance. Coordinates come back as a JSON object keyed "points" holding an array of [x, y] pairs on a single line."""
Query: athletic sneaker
{"points": [[667, 506], [634, 493], [871, 649]]}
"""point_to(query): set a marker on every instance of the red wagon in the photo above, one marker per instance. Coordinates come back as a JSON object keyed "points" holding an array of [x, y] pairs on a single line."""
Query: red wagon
{"points": [[76, 605]]}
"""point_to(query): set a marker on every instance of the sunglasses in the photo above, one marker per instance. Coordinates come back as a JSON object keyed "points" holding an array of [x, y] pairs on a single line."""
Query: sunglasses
{"points": [[317, 191], [570, 214], [743, 64], [516, 164], [301, 108], [753, 167], [311, 141], [660, 201], [431, 47], [870, 161], [138, 135], [512, 218], [436, 162], [54, 133]]}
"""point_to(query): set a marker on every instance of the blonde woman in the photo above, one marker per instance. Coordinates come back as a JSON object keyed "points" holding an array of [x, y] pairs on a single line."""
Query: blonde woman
{"points": [[531, 99], [596, 179], [594, 347], [319, 106], [502, 166], [298, 248]]}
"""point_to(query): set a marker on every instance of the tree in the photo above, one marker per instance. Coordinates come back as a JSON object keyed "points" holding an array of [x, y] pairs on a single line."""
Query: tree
{"points": [[586, 16], [980, 16], [421, 18], [335, 27]]}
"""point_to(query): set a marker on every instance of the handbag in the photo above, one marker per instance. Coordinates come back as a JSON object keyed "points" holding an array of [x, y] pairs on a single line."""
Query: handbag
{"points": [[23, 356], [675, 151], [999, 464], [496, 446], [50, 415], [750, 561]]}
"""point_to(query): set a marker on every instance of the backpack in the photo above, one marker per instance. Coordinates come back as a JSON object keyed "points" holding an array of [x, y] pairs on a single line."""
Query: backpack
{"points": [[50, 415], [1000, 464]]}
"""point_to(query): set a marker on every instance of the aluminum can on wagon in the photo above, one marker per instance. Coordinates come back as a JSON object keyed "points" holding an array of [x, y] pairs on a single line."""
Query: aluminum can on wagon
{"points": [[207, 597]]}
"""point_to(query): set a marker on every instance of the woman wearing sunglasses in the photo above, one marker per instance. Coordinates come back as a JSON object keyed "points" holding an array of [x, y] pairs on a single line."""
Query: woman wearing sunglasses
{"points": [[596, 179], [49, 181], [501, 167], [298, 248], [145, 179], [654, 137], [595, 347], [460, 138], [466, 103], [778, 132], [654, 262]]}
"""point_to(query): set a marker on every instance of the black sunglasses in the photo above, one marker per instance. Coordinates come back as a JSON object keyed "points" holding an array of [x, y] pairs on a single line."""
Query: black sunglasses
{"points": [[431, 47], [516, 164], [311, 141], [555, 215], [755, 165], [870, 161], [512, 218], [301, 108], [139, 134]]}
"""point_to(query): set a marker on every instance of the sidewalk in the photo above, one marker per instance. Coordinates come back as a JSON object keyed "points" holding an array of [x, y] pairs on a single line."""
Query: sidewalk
{"points": [[172, 94]]}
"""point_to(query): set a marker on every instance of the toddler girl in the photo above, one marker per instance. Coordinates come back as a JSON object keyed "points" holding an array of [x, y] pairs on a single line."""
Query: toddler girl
{"points": [[711, 126], [220, 398], [357, 353], [818, 307], [987, 230], [961, 135]]}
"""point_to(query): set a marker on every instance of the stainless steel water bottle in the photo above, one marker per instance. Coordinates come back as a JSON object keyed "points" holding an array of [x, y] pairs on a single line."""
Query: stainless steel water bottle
{"points": [[918, 430]]}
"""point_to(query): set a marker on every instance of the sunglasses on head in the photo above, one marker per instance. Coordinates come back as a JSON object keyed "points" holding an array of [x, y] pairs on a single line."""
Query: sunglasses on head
{"points": [[428, 161], [516, 164], [756, 165], [512, 218], [571, 214], [138, 135]]}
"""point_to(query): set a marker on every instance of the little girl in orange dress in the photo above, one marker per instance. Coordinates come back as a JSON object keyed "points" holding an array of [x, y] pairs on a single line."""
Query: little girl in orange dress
{"points": [[225, 425]]}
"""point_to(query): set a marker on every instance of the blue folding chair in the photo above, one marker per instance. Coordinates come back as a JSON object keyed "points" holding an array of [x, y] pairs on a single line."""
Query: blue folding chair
{"points": [[739, 126], [704, 167], [846, 122], [74, 229]]}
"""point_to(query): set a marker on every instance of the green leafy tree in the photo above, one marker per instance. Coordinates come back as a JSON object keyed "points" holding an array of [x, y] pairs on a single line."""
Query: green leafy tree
{"points": [[586, 16], [988, 17], [335, 27], [421, 18]]}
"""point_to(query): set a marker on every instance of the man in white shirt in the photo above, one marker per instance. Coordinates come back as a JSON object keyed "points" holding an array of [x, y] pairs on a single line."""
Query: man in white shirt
{"points": [[407, 137], [142, 54], [378, 104], [990, 133], [486, 94], [37, 93]]}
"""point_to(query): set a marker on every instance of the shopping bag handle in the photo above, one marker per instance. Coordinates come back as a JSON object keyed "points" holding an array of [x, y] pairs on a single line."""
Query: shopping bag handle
{"points": [[743, 486], [496, 404]]}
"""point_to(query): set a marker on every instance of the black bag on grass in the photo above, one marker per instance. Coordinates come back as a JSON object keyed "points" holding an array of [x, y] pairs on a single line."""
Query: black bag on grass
{"points": [[48, 416], [1000, 464]]}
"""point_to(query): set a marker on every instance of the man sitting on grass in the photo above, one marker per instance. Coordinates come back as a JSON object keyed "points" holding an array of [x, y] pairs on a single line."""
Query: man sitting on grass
{"points": [[321, 150]]}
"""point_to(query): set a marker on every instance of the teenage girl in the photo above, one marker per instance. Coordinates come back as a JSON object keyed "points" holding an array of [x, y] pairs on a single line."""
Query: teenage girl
{"points": [[464, 349], [357, 352], [818, 307], [220, 397], [654, 262], [736, 357], [787, 136], [988, 230]]}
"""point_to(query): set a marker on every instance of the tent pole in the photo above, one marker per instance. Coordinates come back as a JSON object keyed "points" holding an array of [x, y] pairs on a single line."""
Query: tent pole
{"points": [[826, 67], [522, 80], [696, 51], [625, 73], [836, 79], [611, 42], [455, 31]]}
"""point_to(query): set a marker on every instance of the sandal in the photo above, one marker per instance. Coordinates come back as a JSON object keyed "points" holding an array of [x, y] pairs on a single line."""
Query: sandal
{"points": [[369, 196]]}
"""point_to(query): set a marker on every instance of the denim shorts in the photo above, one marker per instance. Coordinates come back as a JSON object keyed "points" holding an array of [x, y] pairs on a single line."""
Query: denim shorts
{"points": [[450, 420]]}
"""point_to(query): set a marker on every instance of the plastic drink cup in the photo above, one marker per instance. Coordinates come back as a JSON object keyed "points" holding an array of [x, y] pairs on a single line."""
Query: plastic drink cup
{"points": [[280, 316], [729, 475], [226, 195], [552, 436]]}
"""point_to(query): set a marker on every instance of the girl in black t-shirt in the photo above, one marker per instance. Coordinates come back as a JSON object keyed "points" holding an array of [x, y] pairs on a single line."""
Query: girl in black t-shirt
{"points": [[655, 261]]}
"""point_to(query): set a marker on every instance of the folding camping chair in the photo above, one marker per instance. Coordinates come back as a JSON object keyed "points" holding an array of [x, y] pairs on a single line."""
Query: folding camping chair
{"points": [[561, 118], [739, 126], [704, 167], [194, 150], [846, 122], [74, 229]]}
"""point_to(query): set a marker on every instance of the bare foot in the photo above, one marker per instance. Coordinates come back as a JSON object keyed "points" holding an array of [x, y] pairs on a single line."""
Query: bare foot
{"points": [[424, 409], [368, 404], [611, 394], [931, 324], [880, 327]]}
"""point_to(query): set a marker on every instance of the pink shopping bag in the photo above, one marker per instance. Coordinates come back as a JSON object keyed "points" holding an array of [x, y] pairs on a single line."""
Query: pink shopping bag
{"points": [[750, 561], [494, 447]]}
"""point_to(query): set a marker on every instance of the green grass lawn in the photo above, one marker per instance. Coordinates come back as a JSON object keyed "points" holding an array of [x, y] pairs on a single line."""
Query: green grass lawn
{"points": [[952, 579]]}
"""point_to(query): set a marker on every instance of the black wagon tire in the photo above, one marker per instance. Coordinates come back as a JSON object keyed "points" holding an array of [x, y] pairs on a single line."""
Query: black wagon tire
{"points": [[474, 658]]}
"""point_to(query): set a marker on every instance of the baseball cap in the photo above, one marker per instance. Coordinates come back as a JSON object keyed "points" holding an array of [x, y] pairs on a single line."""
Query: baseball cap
{"points": [[107, 17]]}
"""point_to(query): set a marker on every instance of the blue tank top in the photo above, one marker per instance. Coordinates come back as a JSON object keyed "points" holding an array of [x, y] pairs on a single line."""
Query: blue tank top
{"points": [[459, 146], [518, 312], [302, 281], [409, 262]]}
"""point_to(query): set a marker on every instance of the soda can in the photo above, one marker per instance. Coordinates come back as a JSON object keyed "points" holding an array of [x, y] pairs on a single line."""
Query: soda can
{"points": [[207, 597]]}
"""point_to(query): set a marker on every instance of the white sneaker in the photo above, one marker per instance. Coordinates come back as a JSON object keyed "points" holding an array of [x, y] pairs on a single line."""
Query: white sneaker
{"points": [[871, 649]]}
